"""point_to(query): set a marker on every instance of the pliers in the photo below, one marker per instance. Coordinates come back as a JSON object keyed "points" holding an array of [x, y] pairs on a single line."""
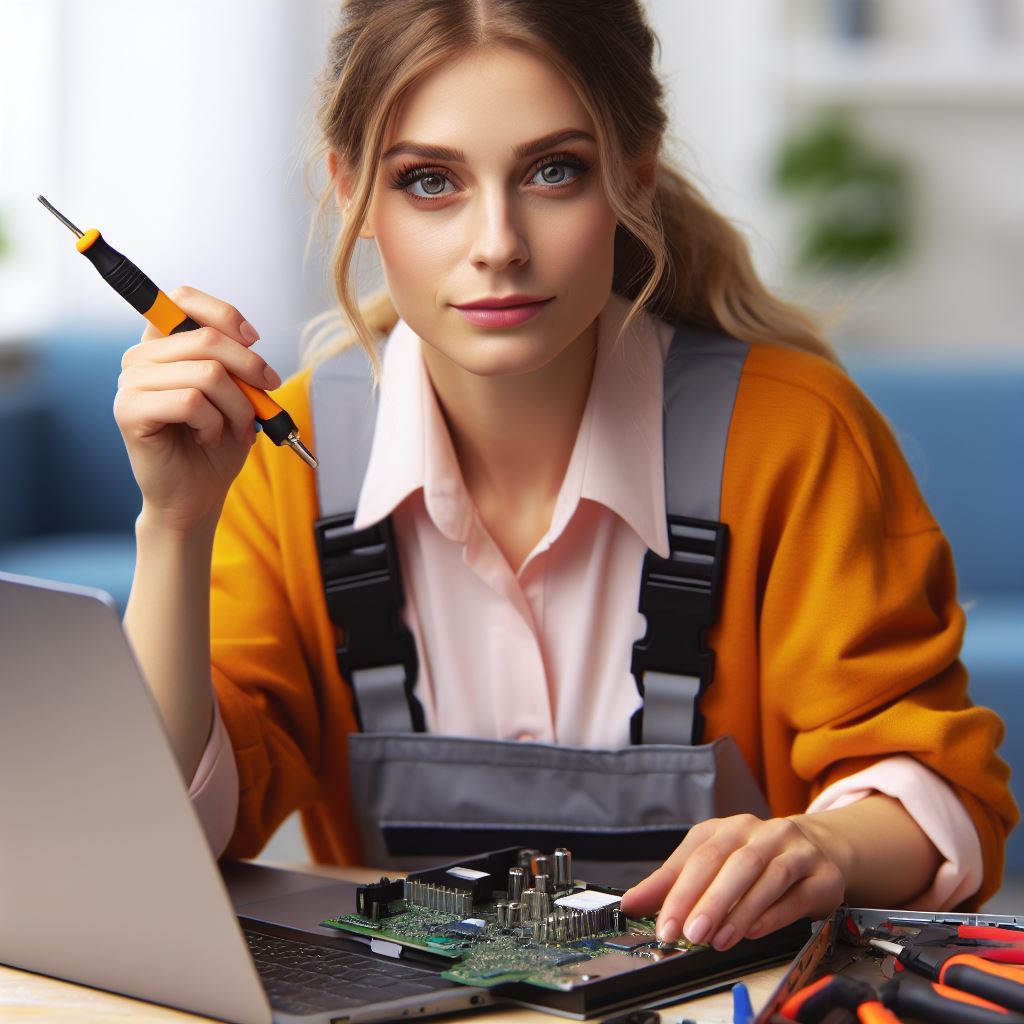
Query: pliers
{"points": [[814, 1002], [1002, 945], [913, 997], [968, 972]]}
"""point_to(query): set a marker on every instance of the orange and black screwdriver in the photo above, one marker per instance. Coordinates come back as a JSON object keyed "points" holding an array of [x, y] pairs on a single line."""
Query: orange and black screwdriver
{"points": [[133, 285]]}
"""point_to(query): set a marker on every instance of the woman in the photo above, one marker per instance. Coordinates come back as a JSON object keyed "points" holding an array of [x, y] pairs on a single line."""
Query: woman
{"points": [[503, 155]]}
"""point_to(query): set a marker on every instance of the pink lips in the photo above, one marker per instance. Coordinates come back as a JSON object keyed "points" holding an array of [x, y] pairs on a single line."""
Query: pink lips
{"points": [[504, 312]]}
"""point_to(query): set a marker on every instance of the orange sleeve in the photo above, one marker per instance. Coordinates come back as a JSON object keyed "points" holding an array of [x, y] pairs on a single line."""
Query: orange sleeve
{"points": [[853, 607], [284, 705]]}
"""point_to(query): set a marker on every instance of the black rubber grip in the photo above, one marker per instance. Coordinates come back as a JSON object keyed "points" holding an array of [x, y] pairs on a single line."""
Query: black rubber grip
{"points": [[278, 427], [912, 997], [122, 275], [1002, 991], [188, 324]]}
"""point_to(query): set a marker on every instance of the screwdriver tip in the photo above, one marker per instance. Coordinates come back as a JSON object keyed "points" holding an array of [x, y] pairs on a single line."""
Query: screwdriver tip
{"points": [[60, 216], [302, 451]]}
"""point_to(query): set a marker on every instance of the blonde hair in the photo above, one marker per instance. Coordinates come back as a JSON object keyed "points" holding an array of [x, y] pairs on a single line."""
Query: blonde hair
{"points": [[675, 256]]}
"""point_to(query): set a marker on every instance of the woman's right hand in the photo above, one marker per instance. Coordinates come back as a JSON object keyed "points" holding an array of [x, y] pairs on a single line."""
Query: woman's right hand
{"points": [[186, 424]]}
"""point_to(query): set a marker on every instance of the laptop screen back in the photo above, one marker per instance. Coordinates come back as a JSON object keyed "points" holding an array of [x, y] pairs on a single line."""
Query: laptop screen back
{"points": [[105, 875]]}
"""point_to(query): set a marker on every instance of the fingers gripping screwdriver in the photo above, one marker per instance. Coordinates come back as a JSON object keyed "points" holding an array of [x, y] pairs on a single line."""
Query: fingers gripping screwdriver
{"points": [[133, 285]]}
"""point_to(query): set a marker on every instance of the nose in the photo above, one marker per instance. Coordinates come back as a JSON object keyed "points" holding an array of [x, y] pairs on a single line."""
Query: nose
{"points": [[498, 240]]}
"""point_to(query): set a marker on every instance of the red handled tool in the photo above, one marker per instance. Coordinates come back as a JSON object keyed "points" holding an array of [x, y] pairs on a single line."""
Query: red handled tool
{"points": [[133, 285], [816, 1001], [1003, 945], [940, 1004], [1001, 984]]}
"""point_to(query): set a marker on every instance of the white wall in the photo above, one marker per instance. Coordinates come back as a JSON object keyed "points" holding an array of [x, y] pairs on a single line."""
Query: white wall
{"points": [[174, 128], [941, 87]]}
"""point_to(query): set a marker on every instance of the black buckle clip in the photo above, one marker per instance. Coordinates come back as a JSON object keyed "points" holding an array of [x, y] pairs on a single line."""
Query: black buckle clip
{"points": [[679, 597], [363, 588]]}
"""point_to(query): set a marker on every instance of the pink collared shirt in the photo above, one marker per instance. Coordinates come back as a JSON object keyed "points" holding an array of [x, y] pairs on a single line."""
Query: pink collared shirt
{"points": [[510, 654]]}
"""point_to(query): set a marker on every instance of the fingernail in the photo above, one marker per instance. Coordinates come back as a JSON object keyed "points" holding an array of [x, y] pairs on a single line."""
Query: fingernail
{"points": [[249, 332], [724, 936], [272, 379], [667, 930], [696, 929]]}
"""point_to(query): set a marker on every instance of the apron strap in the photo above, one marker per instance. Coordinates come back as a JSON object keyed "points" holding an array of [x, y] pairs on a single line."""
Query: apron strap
{"points": [[362, 581], [680, 595]]}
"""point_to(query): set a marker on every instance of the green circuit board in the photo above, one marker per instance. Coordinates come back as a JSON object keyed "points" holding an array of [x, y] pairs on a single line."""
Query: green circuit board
{"points": [[502, 920]]}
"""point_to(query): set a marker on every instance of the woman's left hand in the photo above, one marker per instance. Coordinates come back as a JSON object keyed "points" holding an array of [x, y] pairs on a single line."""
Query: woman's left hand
{"points": [[740, 877]]}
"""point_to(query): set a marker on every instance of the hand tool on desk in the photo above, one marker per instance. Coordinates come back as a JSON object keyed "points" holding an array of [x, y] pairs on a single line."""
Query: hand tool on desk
{"points": [[967, 972], [814, 1002], [1003, 945], [133, 285], [939, 1004]]}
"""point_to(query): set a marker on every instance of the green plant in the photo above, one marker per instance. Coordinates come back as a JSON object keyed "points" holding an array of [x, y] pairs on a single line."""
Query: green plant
{"points": [[856, 200]]}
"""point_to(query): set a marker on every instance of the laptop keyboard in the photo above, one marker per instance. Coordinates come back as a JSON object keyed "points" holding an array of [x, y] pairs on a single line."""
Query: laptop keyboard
{"points": [[300, 977]]}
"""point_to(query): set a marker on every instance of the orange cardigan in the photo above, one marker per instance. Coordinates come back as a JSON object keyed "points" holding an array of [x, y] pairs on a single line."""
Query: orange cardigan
{"points": [[837, 642]]}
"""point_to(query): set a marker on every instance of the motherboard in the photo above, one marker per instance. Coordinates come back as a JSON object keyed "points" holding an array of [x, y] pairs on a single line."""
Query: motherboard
{"points": [[518, 919]]}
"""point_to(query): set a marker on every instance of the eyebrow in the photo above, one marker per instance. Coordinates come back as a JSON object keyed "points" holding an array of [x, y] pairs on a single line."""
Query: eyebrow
{"points": [[457, 156]]}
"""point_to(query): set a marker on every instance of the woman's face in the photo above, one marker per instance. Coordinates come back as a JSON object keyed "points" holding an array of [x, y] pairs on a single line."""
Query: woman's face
{"points": [[489, 192]]}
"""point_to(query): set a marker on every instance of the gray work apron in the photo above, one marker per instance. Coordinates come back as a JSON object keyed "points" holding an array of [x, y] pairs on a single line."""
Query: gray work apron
{"points": [[421, 798]]}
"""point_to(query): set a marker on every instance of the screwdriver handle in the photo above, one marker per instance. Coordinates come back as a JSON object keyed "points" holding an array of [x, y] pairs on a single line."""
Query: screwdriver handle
{"points": [[990, 932], [996, 982], [143, 294], [941, 1004], [274, 421], [876, 1013]]}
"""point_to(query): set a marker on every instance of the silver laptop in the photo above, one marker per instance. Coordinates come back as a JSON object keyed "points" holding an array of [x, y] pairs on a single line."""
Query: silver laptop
{"points": [[106, 878]]}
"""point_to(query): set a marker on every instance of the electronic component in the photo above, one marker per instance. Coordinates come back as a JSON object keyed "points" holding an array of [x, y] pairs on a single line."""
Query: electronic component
{"points": [[375, 901], [516, 882], [540, 865], [479, 885], [563, 869], [472, 928], [629, 943], [562, 943], [432, 896], [588, 899], [542, 926]]}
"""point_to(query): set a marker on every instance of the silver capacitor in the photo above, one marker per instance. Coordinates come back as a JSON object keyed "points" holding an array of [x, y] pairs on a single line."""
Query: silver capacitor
{"points": [[516, 883], [529, 901], [542, 883], [563, 868], [501, 910], [543, 901], [541, 866], [515, 913]]}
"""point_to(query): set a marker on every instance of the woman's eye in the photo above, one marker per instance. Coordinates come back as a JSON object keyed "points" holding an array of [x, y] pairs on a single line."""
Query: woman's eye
{"points": [[428, 186], [556, 174]]}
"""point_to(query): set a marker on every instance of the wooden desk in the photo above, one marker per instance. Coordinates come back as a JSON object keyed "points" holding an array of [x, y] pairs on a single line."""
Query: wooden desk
{"points": [[35, 997]]}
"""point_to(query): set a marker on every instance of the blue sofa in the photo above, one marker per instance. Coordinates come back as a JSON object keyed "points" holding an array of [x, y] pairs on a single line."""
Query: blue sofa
{"points": [[64, 465], [71, 499]]}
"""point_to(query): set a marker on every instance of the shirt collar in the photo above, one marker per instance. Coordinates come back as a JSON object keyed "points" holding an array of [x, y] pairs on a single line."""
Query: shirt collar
{"points": [[617, 458]]}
